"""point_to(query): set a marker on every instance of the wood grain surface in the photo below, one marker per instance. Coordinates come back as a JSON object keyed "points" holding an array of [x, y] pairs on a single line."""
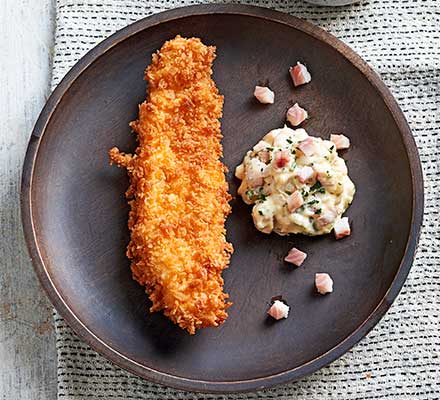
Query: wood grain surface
{"points": [[27, 342]]}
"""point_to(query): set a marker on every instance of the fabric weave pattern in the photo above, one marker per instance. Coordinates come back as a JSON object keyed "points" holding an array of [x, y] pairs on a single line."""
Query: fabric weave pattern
{"points": [[400, 358]]}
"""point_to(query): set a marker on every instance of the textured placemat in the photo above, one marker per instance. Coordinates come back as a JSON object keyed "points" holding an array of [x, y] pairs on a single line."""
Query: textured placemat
{"points": [[400, 358]]}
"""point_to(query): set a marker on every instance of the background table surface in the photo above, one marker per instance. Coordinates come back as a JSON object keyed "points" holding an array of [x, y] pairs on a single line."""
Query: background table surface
{"points": [[27, 340], [28, 367]]}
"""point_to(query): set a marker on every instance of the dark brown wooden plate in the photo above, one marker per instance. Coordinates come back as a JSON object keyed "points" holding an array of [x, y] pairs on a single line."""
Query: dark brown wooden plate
{"points": [[75, 213]]}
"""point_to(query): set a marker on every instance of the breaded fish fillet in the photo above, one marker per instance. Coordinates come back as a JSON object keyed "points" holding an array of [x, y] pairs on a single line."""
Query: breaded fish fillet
{"points": [[178, 193]]}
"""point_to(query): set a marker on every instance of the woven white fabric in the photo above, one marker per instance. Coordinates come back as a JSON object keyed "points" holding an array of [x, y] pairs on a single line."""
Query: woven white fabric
{"points": [[400, 358]]}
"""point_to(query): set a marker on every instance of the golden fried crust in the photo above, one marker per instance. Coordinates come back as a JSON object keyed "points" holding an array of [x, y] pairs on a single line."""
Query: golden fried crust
{"points": [[178, 193]]}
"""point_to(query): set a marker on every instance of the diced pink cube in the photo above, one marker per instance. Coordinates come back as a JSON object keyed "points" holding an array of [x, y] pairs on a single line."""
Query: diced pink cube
{"points": [[299, 74], [278, 310], [305, 174], [296, 115], [295, 257], [327, 217], [264, 95], [341, 142], [323, 283], [295, 201], [264, 156], [307, 146], [342, 228]]}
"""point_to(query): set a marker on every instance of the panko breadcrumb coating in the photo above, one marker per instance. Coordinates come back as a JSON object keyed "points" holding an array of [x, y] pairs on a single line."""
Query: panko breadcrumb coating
{"points": [[178, 193]]}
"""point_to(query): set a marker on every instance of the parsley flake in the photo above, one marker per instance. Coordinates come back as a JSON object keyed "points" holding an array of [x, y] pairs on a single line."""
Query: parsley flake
{"points": [[249, 193], [262, 197], [316, 186], [255, 195]]}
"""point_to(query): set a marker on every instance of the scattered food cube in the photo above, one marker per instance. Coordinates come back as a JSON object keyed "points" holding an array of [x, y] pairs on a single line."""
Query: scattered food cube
{"points": [[264, 95], [295, 257], [261, 148], [342, 228], [299, 74], [278, 310], [296, 115], [239, 172], [304, 174], [323, 283], [261, 145], [264, 156], [255, 172], [325, 218], [341, 142], [294, 201], [307, 147]]}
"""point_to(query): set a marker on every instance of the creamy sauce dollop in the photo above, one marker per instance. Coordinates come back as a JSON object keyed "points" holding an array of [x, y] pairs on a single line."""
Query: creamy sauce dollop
{"points": [[297, 183]]}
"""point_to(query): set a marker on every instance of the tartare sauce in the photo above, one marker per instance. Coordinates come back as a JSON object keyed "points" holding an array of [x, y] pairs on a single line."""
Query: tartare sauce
{"points": [[297, 183]]}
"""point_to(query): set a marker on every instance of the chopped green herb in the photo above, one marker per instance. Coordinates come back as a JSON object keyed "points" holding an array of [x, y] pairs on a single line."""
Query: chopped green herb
{"points": [[318, 211], [269, 148], [288, 192], [256, 195], [260, 212], [310, 203], [262, 197], [339, 183], [328, 174], [249, 193], [316, 186], [304, 193], [327, 158], [331, 148], [289, 141]]}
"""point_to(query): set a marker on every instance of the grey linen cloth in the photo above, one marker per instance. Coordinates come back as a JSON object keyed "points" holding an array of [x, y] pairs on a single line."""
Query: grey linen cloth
{"points": [[400, 358]]}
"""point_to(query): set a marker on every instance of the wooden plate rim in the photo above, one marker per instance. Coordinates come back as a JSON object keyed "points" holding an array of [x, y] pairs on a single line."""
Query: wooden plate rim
{"points": [[31, 231]]}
